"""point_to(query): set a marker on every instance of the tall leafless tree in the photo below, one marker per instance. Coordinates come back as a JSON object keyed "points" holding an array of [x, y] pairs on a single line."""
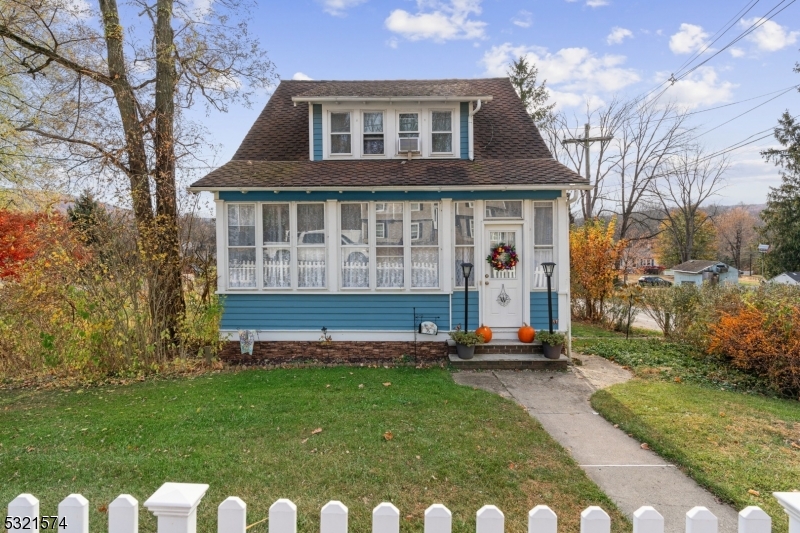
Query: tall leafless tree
{"points": [[112, 101]]}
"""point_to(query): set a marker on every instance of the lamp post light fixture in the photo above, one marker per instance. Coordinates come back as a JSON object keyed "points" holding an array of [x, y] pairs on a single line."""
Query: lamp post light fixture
{"points": [[548, 272], [466, 269]]}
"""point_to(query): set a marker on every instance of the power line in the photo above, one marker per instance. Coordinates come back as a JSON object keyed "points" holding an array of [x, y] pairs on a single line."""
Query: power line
{"points": [[744, 142], [742, 101], [745, 112]]}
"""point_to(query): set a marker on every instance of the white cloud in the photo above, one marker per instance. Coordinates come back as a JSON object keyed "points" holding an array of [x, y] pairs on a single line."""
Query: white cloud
{"points": [[618, 35], [736, 52], [301, 76], [596, 3], [770, 36], [575, 75], [701, 88], [690, 38], [338, 8], [438, 21], [524, 19]]}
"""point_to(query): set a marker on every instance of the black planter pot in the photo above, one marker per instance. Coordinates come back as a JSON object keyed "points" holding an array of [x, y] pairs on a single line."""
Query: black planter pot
{"points": [[552, 352], [465, 352]]}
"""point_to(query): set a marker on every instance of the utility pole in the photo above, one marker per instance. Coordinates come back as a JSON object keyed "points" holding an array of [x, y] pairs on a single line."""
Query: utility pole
{"points": [[586, 140]]}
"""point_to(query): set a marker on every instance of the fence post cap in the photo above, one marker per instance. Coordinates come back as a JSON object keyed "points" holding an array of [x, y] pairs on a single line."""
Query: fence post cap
{"points": [[490, 511], [176, 499], [24, 499], [74, 500], [233, 503], [700, 513], [541, 511], [124, 500], [334, 507], [593, 512], [386, 509], [790, 502], [647, 512], [437, 510], [283, 504], [754, 512]]}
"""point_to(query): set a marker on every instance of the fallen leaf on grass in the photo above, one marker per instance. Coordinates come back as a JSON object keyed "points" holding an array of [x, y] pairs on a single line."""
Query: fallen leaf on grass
{"points": [[754, 492], [722, 414], [511, 466], [645, 446], [361, 386], [304, 440], [678, 380], [318, 430], [795, 445], [388, 435], [387, 384]]}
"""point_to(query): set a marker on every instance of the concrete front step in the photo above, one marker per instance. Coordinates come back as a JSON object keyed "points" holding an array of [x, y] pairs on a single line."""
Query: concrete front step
{"points": [[506, 361], [501, 347]]}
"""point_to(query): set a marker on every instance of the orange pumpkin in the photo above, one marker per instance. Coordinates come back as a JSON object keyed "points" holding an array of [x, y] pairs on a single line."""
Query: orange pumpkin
{"points": [[526, 333], [485, 332]]}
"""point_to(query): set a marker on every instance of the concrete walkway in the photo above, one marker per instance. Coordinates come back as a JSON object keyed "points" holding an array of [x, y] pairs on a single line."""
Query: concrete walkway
{"points": [[630, 475]]}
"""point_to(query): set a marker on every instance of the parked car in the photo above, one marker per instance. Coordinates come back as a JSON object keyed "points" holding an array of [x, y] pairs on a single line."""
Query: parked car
{"points": [[654, 281]]}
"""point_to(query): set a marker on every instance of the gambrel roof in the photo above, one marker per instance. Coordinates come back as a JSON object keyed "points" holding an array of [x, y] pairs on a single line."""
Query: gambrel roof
{"points": [[508, 148]]}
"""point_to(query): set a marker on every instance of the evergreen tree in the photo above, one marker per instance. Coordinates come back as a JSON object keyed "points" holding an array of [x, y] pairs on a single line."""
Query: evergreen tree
{"points": [[89, 218], [781, 228], [523, 77]]}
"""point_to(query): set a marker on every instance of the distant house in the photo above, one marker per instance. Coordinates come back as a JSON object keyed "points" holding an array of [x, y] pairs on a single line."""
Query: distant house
{"points": [[698, 271], [789, 278]]}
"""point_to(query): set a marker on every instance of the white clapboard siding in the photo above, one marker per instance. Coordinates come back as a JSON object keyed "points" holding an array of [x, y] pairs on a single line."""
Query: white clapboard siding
{"points": [[175, 506]]}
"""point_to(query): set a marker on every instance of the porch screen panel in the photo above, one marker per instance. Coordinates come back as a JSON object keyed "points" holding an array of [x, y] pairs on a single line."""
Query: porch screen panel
{"points": [[354, 239], [425, 245], [389, 250], [543, 250], [277, 249], [311, 245], [464, 247], [241, 246]]}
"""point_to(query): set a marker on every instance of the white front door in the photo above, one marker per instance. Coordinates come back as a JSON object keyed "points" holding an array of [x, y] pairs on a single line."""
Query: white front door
{"points": [[502, 289]]}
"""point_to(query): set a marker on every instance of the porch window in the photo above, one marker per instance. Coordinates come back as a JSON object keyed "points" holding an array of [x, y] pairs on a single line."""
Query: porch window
{"points": [[277, 248], [441, 132], [389, 246], [542, 242], [373, 133], [354, 224], [503, 209], [311, 245], [425, 245], [281, 222], [464, 249], [340, 133], [241, 246]]}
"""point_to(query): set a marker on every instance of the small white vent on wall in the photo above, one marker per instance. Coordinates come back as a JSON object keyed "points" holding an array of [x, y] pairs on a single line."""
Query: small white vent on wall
{"points": [[408, 144]]}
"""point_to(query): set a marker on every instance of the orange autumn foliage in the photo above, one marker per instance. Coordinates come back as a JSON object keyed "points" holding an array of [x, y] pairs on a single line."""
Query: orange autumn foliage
{"points": [[19, 240], [764, 342]]}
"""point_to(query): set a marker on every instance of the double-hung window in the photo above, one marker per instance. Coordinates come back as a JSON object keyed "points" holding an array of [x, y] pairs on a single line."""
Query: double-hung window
{"points": [[373, 133], [408, 125], [341, 136], [441, 132], [242, 246], [542, 241], [464, 224]]}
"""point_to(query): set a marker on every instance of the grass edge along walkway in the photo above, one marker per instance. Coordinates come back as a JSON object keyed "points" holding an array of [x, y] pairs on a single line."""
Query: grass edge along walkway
{"points": [[409, 436]]}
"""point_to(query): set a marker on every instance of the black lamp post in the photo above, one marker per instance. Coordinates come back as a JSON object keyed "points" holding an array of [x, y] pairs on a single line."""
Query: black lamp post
{"points": [[548, 272], [466, 269]]}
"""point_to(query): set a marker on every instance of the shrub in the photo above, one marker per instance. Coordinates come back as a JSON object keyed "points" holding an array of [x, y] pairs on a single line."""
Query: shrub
{"points": [[673, 309], [594, 260], [466, 338]]}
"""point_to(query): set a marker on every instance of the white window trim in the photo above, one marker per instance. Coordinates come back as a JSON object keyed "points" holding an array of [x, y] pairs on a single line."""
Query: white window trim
{"points": [[382, 225], [228, 246], [419, 132], [451, 132], [417, 225], [354, 139], [363, 133], [493, 219], [418, 206], [535, 247], [476, 271]]}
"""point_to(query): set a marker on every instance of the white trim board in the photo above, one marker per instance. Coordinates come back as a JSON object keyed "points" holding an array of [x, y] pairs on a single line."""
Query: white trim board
{"points": [[303, 335]]}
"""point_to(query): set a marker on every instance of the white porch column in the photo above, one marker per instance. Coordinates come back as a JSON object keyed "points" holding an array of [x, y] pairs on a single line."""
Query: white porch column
{"points": [[222, 249], [175, 505], [561, 242], [446, 259], [333, 241]]}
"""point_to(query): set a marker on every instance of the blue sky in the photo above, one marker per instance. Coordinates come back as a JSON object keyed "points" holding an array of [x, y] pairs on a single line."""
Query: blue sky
{"points": [[588, 50]]}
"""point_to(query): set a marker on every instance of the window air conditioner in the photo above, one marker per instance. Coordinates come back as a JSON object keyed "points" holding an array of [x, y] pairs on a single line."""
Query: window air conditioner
{"points": [[408, 144]]}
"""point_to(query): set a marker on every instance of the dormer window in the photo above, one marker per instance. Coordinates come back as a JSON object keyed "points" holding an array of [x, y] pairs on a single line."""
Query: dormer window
{"points": [[373, 133], [442, 132], [341, 138]]}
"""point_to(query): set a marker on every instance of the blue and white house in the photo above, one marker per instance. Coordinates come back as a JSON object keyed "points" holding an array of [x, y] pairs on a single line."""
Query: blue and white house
{"points": [[351, 205]]}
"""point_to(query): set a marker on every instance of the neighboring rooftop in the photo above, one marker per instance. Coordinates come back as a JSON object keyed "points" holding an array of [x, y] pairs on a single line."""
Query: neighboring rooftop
{"points": [[695, 266], [795, 276]]}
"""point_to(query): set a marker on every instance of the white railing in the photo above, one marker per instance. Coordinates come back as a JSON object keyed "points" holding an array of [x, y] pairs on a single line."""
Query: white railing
{"points": [[175, 506], [277, 274], [242, 274], [390, 274]]}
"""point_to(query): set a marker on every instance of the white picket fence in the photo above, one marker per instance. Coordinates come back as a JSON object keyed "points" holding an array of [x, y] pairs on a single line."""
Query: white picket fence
{"points": [[175, 506], [390, 274]]}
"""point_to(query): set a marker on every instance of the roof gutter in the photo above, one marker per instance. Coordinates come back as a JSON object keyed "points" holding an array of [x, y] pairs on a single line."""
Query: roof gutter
{"points": [[390, 99], [399, 188], [470, 136]]}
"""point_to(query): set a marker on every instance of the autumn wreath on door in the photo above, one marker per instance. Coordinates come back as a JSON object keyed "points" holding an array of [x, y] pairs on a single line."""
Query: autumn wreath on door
{"points": [[503, 257]]}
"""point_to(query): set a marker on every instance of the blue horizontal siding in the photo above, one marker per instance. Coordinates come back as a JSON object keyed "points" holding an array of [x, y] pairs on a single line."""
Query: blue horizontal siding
{"points": [[457, 305], [317, 140], [539, 316], [288, 311], [464, 111], [381, 196]]}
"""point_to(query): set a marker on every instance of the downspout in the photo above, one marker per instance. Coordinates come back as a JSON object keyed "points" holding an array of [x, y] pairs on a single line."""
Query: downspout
{"points": [[471, 141]]}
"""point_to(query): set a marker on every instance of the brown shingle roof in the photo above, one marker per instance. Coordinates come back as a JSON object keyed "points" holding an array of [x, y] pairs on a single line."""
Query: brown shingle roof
{"points": [[503, 131], [389, 173], [695, 266]]}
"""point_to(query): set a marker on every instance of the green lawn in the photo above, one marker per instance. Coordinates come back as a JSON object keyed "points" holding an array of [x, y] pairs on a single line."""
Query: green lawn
{"points": [[249, 434], [587, 330], [729, 442]]}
